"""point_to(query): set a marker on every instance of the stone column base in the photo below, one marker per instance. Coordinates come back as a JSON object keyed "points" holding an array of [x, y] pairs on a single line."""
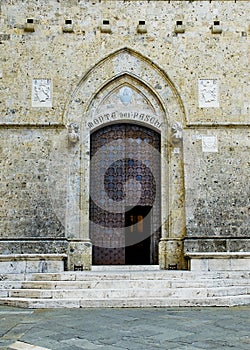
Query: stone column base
{"points": [[171, 254], [79, 255]]}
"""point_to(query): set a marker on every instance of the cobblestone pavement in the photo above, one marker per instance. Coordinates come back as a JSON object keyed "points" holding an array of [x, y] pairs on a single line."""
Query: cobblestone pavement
{"points": [[118, 329]]}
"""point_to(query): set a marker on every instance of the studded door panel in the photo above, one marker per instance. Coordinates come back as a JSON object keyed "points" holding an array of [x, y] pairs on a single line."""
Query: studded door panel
{"points": [[125, 172]]}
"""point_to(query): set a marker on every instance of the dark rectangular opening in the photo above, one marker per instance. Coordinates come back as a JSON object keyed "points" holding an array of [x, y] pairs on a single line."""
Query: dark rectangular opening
{"points": [[137, 235], [216, 23], [142, 23], [179, 23], [68, 21], [30, 20], [105, 22]]}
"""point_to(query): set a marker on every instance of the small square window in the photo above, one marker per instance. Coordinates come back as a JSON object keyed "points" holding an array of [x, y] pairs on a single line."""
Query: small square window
{"points": [[30, 20], [216, 23], [68, 21], [179, 23]]}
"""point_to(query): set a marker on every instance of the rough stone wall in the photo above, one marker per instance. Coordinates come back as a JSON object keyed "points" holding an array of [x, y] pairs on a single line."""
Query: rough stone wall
{"points": [[33, 190], [217, 191], [65, 57], [35, 154]]}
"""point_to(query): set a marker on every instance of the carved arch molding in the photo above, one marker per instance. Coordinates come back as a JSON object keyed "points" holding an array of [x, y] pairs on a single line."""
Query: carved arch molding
{"points": [[126, 87]]}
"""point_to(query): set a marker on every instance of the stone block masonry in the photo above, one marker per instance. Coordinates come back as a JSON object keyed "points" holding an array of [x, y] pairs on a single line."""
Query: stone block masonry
{"points": [[67, 63], [218, 212]]}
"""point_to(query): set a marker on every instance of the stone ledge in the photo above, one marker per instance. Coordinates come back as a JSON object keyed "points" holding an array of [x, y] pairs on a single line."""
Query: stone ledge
{"points": [[30, 263], [218, 255], [218, 261], [15, 257]]}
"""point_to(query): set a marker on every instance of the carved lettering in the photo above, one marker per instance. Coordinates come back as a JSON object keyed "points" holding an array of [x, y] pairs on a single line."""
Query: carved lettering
{"points": [[100, 118], [158, 124], [118, 115]]}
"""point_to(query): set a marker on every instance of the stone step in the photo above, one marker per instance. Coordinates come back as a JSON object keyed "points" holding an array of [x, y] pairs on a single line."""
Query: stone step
{"points": [[125, 287], [118, 284], [109, 268], [125, 275], [126, 293], [128, 302], [113, 275], [159, 275]]}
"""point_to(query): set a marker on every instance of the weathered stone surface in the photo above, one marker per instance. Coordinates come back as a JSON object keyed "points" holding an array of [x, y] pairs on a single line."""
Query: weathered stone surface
{"points": [[28, 263], [33, 188], [128, 287], [216, 192], [219, 261], [68, 63]]}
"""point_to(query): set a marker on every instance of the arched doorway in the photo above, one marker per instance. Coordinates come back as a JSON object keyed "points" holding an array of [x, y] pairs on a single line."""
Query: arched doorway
{"points": [[126, 87], [125, 194]]}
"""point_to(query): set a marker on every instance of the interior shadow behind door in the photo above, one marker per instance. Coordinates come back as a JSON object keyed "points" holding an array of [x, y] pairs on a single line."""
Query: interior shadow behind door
{"points": [[138, 235]]}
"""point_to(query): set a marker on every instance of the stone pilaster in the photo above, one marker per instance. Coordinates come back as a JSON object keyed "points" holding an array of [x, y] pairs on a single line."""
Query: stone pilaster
{"points": [[162, 254], [171, 254], [79, 255]]}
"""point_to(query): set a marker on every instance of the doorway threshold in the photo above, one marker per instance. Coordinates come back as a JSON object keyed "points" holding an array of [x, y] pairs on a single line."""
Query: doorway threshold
{"points": [[125, 267]]}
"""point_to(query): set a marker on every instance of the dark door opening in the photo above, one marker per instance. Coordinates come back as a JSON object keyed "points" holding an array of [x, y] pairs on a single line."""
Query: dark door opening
{"points": [[125, 173], [138, 235]]}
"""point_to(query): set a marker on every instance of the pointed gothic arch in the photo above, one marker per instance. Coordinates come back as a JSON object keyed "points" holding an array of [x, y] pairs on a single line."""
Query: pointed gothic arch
{"points": [[125, 61], [155, 103]]}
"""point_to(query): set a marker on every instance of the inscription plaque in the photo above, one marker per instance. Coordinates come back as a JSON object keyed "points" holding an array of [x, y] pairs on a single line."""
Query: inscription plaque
{"points": [[124, 115]]}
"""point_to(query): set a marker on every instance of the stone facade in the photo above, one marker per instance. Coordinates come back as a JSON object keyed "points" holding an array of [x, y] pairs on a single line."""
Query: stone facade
{"points": [[63, 67]]}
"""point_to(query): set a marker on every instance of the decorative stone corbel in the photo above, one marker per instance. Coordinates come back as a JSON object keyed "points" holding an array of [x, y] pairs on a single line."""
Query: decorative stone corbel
{"points": [[176, 132], [73, 133]]}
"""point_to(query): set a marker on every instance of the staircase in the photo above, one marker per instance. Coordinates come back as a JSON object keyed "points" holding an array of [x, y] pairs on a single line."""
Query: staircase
{"points": [[125, 286]]}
